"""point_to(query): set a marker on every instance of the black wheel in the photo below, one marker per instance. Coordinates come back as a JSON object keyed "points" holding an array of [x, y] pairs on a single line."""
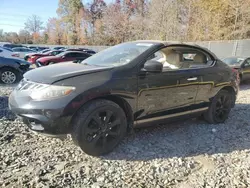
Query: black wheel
{"points": [[9, 75], [99, 126], [220, 107]]}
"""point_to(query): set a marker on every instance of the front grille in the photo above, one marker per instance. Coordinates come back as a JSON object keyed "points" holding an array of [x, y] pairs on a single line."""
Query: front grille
{"points": [[28, 85]]}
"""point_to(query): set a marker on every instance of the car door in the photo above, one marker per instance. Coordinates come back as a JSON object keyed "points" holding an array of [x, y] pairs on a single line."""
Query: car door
{"points": [[70, 56], [246, 69], [169, 93]]}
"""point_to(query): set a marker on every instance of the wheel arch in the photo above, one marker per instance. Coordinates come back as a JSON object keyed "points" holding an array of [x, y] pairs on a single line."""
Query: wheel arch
{"points": [[8, 67], [119, 101], [231, 90]]}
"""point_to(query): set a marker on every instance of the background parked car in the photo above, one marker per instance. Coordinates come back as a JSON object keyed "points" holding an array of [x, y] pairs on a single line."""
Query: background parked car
{"points": [[21, 52], [10, 46], [59, 48], [27, 56], [33, 57], [34, 48], [241, 64], [62, 57], [5, 52], [12, 70], [82, 50]]}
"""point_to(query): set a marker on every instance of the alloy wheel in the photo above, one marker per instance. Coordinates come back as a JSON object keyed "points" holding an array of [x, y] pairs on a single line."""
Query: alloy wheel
{"points": [[8, 77], [103, 128], [222, 108]]}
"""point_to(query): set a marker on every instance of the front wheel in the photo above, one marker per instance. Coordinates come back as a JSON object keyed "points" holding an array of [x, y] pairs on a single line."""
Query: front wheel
{"points": [[9, 75], [99, 127], [219, 108]]}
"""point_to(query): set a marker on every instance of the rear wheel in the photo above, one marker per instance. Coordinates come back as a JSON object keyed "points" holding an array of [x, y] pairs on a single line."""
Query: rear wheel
{"points": [[9, 75], [99, 127], [220, 107]]}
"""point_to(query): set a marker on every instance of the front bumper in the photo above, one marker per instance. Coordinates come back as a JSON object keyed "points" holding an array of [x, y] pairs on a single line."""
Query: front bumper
{"points": [[45, 117], [38, 64]]}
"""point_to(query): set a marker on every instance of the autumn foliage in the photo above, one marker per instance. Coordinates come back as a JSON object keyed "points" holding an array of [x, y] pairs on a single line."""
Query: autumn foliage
{"points": [[99, 23]]}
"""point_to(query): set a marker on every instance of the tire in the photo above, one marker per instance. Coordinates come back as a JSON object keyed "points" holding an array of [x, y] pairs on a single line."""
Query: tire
{"points": [[219, 108], [9, 75], [93, 132]]}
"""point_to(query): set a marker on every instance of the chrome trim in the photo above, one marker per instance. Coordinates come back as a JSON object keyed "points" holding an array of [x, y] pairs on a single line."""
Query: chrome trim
{"points": [[170, 115]]}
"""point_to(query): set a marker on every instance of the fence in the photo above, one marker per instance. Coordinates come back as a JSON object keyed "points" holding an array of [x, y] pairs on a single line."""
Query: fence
{"points": [[221, 48], [228, 48]]}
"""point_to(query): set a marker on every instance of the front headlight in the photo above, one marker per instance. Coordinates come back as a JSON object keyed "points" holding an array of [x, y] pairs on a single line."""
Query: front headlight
{"points": [[51, 92]]}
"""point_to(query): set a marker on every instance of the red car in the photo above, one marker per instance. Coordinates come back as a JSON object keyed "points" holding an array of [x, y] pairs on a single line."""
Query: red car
{"points": [[33, 57], [62, 57]]}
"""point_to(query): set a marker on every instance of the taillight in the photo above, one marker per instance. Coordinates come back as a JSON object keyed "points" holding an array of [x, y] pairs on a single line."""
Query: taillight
{"points": [[237, 74]]}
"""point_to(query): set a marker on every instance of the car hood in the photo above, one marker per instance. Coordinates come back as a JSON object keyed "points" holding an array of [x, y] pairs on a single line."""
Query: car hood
{"points": [[43, 59], [21, 61], [56, 72]]}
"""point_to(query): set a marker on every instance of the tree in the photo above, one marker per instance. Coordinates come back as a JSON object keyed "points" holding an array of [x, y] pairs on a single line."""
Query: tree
{"points": [[164, 22], [2, 35], [34, 24], [95, 12], [69, 11], [24, 36], [11, 37]]}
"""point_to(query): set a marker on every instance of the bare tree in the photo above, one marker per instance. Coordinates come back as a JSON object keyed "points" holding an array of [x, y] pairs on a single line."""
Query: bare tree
{"points": [[24, 36], [34, 24]]}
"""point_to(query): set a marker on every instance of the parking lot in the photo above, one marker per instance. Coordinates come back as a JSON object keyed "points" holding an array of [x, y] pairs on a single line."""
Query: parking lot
{"points": [[185, 154]]}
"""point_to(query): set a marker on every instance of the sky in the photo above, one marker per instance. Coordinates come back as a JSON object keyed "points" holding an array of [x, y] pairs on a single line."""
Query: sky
{"points": [[14, 13]]}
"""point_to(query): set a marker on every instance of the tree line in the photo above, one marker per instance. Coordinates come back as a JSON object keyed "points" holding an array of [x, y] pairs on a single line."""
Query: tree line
{"points": [[99, 23]]}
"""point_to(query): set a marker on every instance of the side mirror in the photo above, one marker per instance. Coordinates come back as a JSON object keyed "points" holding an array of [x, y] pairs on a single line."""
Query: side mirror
{"points": [[152, 66]]}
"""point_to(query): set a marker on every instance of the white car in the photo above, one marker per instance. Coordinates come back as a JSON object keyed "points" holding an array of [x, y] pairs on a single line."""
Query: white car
{"points": [[21, 52], [6, 53]]}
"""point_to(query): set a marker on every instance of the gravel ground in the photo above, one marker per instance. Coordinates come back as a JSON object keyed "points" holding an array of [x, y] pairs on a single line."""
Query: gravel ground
{"points": [[185, 154]]}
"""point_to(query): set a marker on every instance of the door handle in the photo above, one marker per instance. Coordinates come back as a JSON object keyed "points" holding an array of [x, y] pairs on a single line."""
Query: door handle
{"points": [[192, 79]]}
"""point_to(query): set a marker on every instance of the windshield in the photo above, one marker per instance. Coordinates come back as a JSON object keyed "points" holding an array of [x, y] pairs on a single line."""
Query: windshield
{"points": [[118, 55], [61, 54], [233, 60]]}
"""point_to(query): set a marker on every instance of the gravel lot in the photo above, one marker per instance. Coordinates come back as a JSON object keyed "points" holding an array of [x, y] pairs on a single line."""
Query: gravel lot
{"points": [[185, 154]]}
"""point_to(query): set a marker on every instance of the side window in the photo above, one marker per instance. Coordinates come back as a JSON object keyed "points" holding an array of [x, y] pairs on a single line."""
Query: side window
{"points": [[68, 55], [1, 50], [247, 63], [84, 55], [182, 58], [54, 53]]}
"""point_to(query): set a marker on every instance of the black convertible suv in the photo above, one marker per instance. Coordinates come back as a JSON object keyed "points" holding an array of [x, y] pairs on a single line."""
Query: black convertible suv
{"points": [[132, 84]]}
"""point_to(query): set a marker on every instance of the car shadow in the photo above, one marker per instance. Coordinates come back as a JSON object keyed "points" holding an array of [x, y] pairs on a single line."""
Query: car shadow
{"points": [[187, 138]]}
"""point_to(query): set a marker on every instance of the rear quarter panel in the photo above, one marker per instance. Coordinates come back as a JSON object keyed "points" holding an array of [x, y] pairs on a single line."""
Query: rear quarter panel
{"points": [[213, 80]]}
